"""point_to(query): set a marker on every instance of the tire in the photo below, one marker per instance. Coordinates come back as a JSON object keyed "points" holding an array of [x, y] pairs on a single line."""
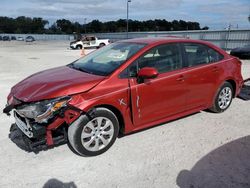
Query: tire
{"points": [[223, 98], [79, 47], [88, 135], [101, 45]]}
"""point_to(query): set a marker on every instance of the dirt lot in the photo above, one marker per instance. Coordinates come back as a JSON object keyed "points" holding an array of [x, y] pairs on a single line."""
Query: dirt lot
{"points": [[201, 150]]}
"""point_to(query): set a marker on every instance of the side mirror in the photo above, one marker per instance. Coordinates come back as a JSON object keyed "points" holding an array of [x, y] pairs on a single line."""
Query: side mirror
{"points": [[147, 73]]}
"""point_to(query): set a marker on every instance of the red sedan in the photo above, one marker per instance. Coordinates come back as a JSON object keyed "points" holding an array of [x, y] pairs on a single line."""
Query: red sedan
{"points": [[123, 87]]}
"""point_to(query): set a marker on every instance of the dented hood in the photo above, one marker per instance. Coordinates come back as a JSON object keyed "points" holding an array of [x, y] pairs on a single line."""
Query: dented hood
{"points": [[54, 83]]}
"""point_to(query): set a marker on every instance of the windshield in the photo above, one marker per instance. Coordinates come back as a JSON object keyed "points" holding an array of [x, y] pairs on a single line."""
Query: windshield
{"points": [[107, 59]]}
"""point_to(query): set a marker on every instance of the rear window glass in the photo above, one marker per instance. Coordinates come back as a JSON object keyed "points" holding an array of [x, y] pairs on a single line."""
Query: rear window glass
{"points": [[198, 54]]}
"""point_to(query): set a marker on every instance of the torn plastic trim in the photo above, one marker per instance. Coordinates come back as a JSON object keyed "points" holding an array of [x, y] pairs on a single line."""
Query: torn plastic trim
{"points": [[8, 109], [35, 145], [245, 90]]}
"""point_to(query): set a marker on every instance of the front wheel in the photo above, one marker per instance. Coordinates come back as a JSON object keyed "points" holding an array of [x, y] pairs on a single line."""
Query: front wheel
{"points": [[223, 98], [93, 136]]}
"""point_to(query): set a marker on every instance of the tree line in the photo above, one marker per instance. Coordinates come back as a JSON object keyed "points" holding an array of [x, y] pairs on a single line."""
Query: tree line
{"points": [[38, 25]]}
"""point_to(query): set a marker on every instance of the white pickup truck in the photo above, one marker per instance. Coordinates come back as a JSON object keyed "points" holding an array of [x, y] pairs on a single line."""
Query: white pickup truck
{"points": [[89, 42]]}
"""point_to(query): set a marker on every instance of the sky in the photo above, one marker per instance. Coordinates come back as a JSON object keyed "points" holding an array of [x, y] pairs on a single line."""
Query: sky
{"points": [[216, 14]]}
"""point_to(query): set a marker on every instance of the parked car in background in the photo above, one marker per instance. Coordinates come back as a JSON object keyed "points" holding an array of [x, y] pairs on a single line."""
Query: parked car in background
{"points": [[20, 39], [13, 38], [6, 38], [1, 38], [121, 88], [29, 39], [89, 42], [242, 52]]}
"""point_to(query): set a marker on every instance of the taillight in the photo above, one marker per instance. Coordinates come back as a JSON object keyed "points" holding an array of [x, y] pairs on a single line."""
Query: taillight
{"points": [[237, 61]]}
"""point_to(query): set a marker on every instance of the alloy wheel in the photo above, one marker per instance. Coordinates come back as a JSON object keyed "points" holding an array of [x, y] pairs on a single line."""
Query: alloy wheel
{"points": [[97, 134], [225, 97]]}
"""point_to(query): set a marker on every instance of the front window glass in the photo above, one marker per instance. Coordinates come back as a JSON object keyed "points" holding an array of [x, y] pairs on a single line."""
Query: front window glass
{"points": [[164, 58], [107, 59]]}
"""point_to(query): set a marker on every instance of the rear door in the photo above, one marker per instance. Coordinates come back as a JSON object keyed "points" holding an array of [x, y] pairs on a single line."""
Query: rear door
{"points": [[163, 96], [202, 73]]}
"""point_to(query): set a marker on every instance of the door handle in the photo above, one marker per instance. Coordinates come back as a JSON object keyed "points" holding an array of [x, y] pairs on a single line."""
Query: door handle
{"points": [[180, 78]]}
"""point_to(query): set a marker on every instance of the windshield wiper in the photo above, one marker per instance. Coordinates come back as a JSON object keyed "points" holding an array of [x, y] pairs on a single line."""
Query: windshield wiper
{"points": [[79, 68]]}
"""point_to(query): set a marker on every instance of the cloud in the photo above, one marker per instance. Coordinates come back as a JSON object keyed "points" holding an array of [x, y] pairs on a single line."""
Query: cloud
{"points": [[156, 5], [215, 14], [97, 9], [75, 8], [226, 12]]}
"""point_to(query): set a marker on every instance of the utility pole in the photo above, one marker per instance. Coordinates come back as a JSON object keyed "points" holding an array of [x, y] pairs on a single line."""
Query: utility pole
{"points": [[228, 35], [85, 25], [128, 1]]}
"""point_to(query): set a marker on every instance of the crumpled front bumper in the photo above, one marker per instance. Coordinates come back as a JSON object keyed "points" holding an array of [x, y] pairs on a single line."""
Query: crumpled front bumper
{"points": [[32, 144], [31, 130], [34, 137]]}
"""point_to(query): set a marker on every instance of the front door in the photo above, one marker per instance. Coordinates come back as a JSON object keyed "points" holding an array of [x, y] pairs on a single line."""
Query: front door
{"points": [[155, 99]]}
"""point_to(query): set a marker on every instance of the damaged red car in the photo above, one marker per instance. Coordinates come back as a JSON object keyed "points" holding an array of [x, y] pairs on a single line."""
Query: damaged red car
{"points": [[121, 88]]}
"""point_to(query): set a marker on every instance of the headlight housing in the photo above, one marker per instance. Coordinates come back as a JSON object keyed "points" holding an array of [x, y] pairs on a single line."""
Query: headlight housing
{"points": [[42, 111]]}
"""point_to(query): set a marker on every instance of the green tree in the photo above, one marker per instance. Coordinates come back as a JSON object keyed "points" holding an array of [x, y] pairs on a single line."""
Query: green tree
{"points": [[65, 26]]}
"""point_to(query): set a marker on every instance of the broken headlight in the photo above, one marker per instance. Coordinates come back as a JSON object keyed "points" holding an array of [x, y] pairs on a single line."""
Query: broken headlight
{"points": [[42, 111]]}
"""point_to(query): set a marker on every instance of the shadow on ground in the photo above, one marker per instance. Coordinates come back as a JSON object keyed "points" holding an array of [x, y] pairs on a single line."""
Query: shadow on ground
{"points": [[227, 166], [54, 183]]}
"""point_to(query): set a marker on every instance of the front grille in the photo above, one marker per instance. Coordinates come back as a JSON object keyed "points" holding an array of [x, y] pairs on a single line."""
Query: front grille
{"points": [[20, 117], [23, 124]]}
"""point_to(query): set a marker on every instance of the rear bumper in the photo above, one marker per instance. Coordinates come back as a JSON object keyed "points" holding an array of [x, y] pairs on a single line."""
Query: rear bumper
{"points": [[240, 86]]}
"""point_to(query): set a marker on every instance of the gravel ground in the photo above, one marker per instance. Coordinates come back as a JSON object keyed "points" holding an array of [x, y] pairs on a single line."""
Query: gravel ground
{"points": [[201, 150]]}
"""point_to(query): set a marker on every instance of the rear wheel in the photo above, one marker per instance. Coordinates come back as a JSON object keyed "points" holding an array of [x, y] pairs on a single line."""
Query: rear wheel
{"points": [[223, 98], [79, 47], [93, 136], [101, 45]]}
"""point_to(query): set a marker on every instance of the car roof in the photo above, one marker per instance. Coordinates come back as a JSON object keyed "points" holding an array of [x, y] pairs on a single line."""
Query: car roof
{"points": [[153, 40], [163, 40]]}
